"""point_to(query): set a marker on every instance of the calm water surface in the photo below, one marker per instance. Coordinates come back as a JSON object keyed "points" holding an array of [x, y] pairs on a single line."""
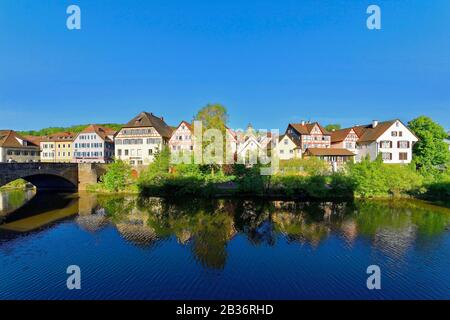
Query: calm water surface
{"points": [[134, 248]]}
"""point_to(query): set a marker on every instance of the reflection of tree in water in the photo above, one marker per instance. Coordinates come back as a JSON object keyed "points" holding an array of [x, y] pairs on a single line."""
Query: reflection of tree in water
{"points": [[206, 226], [395, 225], [252, 218]]}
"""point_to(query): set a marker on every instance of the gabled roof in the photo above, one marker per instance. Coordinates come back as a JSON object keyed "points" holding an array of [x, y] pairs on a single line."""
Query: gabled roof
{"points": [[8, 139], [187, 124], [145, 119], [307, 128], [103, 132], [296, 141], [340, 135], [368, 133], [329, 152], [59, 137]]}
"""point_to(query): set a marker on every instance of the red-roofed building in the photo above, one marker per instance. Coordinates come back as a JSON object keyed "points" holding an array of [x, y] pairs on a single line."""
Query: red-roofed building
{"points": [[310, 135], [16, 148], [95, 144]]}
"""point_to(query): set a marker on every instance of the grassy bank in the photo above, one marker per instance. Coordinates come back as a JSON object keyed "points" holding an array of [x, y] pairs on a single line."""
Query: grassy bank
{"points": [[18, 184]]}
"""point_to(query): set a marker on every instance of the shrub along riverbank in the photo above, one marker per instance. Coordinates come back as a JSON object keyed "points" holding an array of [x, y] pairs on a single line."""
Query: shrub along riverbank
{"points": [[296, 179]]}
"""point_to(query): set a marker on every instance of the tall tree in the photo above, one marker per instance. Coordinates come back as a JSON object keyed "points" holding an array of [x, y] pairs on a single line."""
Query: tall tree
{"points": [[213, 116], [333, 127], [430, 150]]}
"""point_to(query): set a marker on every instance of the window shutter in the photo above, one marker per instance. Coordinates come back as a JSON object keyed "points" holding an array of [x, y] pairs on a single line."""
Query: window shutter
{"points": [[398, 144], [408, 144], [390, 143]]}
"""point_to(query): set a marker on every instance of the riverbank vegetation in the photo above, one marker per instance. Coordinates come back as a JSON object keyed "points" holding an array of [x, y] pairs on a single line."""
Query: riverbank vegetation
{"points": [[428, 176], [18, 184]]}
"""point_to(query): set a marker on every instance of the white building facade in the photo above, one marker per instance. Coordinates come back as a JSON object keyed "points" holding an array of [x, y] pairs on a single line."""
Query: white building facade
{"points": [[94, 145], [141, 138], [391, 139]]}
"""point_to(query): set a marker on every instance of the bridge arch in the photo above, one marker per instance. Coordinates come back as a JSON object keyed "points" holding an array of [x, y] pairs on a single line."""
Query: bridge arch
{"points": [[50, 182], [59, 176]]}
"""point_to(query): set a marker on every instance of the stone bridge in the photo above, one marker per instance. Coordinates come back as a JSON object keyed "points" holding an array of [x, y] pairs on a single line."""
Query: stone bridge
{"points": [[53, 176]]}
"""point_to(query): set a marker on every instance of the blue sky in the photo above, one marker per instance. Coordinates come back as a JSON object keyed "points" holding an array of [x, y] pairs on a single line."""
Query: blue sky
{"points": [[269, 62]]}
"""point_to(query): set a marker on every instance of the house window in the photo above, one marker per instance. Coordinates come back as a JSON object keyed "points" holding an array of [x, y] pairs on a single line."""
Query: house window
{"points": [[400, 134], [150, 151], [126, 152], [386, 155], [286, 141], [349, 145], [394, 133], [403, 144], [291, 151], [386, 144], [403, 156], [281, 151], [119, 152]]}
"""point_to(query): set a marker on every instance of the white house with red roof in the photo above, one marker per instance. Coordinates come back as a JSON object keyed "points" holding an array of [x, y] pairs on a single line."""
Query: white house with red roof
{"points": [[95, 144]]}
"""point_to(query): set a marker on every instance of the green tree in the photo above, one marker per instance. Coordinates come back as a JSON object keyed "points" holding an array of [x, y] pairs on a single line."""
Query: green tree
{"points": [[213, 116], [333, 127], [159, 166], [430, 151], [117, 176]]}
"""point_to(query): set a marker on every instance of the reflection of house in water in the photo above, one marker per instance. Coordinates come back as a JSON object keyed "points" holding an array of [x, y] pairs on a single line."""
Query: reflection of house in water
{"points": [[395, 242], [93, 222], [297, 228], [136, 230], [349, 230]]}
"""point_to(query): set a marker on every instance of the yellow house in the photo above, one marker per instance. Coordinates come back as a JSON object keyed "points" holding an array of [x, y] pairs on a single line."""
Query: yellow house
{"points": [[58, 147]]}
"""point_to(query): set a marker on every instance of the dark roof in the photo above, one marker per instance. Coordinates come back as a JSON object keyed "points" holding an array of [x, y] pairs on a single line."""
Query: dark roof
{"points": [[329, 152], [295, 140], [8, 139], [307, 128], [145, 119]]}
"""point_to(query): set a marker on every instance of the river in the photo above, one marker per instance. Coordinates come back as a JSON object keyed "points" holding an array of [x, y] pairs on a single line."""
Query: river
{"points": [[129, 247]]}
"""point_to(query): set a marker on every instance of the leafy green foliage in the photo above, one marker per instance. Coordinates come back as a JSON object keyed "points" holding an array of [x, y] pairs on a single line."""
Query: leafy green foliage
{"points": [[332, 127], [430, 151], [75, 129], [375, 178], [117, 177], [308, 166]]}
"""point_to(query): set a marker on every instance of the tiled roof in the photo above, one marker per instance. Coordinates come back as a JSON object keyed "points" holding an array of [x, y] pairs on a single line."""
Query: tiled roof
{"points": [[307, 128], [59, 137], [145, 119], [368, 133], [8, 139], [340, 135], [296, 141], [101, 131], [328, 152]]}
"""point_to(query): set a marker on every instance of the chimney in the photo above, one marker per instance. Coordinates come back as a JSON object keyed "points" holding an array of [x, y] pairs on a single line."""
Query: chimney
{"points": [[374, 123], [303, 122]]}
